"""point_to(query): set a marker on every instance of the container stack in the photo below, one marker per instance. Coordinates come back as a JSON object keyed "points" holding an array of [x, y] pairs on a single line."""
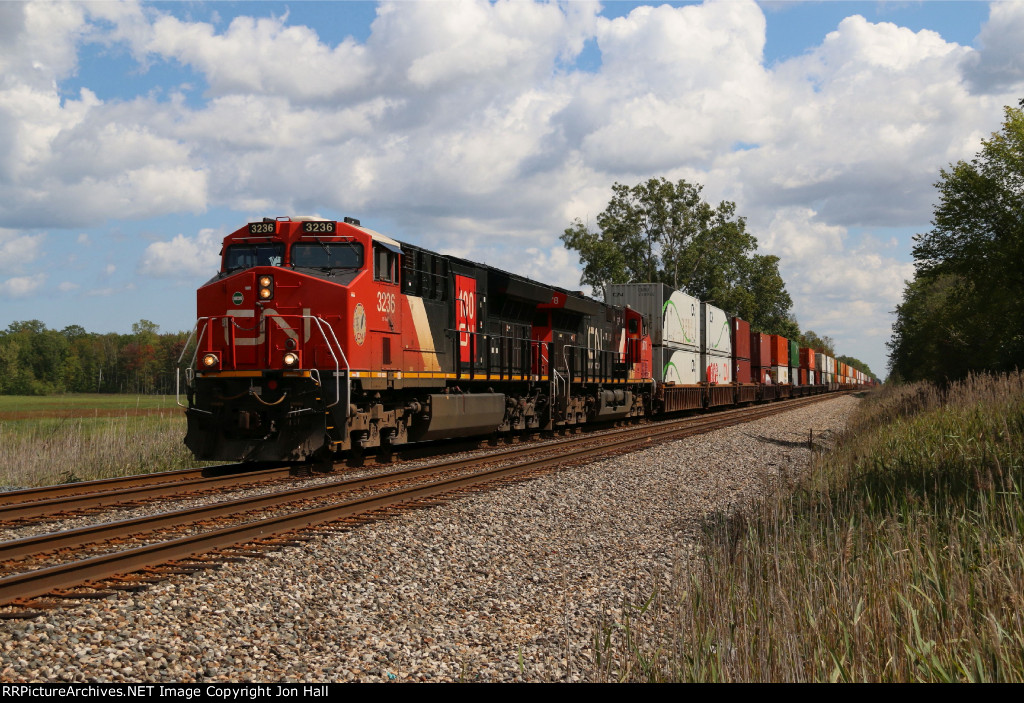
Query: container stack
{"points": [[794, 363], [741, 344], [760, 356], [780, 359], [675, 329], [716, 345], [807, 365]]}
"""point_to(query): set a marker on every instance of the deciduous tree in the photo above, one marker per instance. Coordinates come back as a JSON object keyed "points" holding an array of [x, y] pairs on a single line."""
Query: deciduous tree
{"points": [[664, 232], [964, 311]]}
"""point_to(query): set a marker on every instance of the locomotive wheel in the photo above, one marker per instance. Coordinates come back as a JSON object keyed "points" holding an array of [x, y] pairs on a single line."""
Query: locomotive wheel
{"points": [[321, 462], [386, 450], [356, 455]]}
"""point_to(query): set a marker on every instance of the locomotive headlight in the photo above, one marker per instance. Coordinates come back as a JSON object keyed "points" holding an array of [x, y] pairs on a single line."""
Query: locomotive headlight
{"points": [[266, 287], [291, 359], [209, 361]]}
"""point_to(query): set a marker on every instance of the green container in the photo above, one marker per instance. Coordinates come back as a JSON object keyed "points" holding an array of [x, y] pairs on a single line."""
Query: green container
{"points": [[794, 353]]}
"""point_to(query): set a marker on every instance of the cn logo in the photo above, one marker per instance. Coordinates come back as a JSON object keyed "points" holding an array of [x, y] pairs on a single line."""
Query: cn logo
{"points": [[465, 313]]}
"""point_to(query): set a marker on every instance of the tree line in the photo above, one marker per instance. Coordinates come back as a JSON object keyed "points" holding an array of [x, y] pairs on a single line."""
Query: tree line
{"points": [[35, 360], [664, 232], [655, 231], [964, 310]]}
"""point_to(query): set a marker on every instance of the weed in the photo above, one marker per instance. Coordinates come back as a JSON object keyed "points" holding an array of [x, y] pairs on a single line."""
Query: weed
{"points": [[898, 558]]}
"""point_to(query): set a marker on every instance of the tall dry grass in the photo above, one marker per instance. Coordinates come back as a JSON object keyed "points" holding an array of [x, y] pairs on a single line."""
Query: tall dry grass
{"points": [[901, 560], [44, 451]]}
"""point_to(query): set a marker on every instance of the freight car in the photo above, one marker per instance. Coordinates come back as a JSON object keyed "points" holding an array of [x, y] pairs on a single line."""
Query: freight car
{"points": [[319, 337]]}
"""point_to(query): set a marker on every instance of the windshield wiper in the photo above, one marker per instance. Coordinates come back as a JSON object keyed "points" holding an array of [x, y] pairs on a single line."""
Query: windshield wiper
{"points": [[323, 246]]}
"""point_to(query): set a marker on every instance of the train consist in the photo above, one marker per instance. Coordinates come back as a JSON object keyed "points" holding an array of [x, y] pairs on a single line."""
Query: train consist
{"points": [[320, 337]]}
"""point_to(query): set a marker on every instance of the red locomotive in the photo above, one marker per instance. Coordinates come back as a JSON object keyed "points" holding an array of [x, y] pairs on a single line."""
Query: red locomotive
{"points": [[318, 337]]}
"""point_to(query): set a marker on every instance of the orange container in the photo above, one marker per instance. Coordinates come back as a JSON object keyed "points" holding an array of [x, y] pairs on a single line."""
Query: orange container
{"points": [[807, 358], [780, 350]]}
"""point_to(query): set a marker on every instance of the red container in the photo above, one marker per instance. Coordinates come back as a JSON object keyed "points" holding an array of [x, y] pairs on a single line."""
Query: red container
{"points": [[807, 358], [741, 371], [760, 374], [740, 339], [760, 349], [780, 351], [803, 376]]}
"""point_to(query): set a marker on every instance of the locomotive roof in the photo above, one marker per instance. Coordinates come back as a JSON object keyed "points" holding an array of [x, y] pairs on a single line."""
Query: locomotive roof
{"points": [[516, 285]]}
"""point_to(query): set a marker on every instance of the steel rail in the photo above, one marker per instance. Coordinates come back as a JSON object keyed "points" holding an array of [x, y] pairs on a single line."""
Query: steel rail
{"points": [[24, 495], [20, 587], [129, 493]]}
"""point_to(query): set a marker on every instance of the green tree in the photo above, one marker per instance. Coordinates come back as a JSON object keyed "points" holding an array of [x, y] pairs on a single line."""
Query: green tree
{"points": [[666, 232], [826, 345], [856, 363], [964, 311]]}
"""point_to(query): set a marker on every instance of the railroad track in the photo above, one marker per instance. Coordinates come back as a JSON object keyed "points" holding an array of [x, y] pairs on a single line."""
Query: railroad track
{"points": [[32, 504], [96, 561]]}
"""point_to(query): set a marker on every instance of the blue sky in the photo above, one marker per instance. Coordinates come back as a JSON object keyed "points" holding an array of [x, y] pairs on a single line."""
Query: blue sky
{"points": [[134, 136]]}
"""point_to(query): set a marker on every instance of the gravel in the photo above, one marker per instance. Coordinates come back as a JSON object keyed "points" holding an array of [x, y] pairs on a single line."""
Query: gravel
{"points": [[503, 585]]}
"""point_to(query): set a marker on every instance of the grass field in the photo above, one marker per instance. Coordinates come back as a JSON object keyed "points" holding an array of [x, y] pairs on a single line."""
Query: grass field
{"points": [[57, 439], [84, 403], [902, 559]]}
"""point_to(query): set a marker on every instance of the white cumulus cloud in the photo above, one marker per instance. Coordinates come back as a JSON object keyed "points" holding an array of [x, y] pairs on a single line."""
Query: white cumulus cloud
{"points": [[184, 257], [22, 286], [17, 250]]}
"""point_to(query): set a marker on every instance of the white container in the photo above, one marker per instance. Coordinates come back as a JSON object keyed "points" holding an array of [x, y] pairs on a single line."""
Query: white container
{"points": [[780, 374], [679, 366], [672, 313], [715, 335], [715, 368]]}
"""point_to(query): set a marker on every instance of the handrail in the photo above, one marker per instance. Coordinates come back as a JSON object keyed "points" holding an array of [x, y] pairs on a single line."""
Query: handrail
{"points": [[455, 336], [318, 321], [177, 369], [614, 352]]}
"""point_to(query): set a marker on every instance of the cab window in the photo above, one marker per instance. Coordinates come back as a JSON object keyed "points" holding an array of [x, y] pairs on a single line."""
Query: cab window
{"points": [[385, 264], [327, 255], [244, 256]]}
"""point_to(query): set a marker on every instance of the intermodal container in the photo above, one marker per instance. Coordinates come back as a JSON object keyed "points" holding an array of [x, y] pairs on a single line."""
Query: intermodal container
{"points": [[760, 349], [680, 366], [794, 354], [780, 351], [741, 371], [715, 334], [741, 338], [819, 362], [674, 315], [716, 368], [761, 374], [780, 374], [807, 358], [803, 377]]}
